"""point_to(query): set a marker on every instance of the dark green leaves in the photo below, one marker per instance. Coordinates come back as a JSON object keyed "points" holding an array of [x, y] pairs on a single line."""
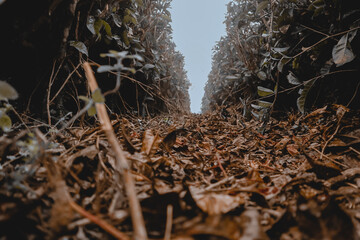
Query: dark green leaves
{"points": [[95, 25], [263, 92], [96, 97], [91, 110]]}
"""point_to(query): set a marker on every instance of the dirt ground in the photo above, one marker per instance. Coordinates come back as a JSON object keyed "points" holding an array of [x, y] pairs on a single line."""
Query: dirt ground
{"points": [[211, 176]]}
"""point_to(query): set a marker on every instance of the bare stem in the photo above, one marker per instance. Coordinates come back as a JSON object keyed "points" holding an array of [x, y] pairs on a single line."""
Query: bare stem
{"points": [[121, 161]]}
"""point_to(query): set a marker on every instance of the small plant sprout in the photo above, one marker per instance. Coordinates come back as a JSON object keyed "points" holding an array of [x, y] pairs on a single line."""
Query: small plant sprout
{"points": [[118, 67]]}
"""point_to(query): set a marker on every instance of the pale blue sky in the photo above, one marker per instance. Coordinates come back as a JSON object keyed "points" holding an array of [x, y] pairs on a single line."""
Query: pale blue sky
{"points": [[197, 26]]}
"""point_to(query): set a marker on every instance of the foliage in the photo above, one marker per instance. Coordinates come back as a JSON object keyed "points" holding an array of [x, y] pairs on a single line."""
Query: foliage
{"points": [[235, 58], [55, 39], [142, 28], [167, 65], [282, 46]]}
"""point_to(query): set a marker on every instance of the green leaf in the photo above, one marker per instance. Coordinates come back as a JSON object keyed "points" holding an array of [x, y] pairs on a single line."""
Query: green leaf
{"points": [[5, 122], [97, 27], [303, 95], [284, 29], [256, 107], [352, 35], [99, 24], [97, 96], [125, 38], [136, 57], [105, 68], [7, 91], [293, 79], [85, 99], [117, 19], [280, 50], [80, 46], [115, 54], [282, 63], [107, 28], [166, 17], [129, 19], [90, 24], [264, 104], [341, 53], [327, 67], [318, 3], [262, 75], [92, 111], [149, 66], [263, 92], [231, 78]]}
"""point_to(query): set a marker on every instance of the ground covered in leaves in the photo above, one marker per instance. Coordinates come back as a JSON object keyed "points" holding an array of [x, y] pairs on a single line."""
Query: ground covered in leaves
{"points": [[209, 176]]}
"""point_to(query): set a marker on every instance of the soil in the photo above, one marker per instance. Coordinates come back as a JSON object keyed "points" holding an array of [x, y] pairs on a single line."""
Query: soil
{"points": [[210, 176]]}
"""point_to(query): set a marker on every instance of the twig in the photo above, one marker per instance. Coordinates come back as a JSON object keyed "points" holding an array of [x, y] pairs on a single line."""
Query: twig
{"points": [[314, 30], [121, 161], [322, 40], [137, 100], [77, 115], [303, 83], [332, 136], [65, 82], [117, 85], [51, 81], [354, 150], [225, 180], [169, 221], [276, 93], [220, 165], [142, 85], [329, 158], [353, 97], [98, 221], [20, 118]]}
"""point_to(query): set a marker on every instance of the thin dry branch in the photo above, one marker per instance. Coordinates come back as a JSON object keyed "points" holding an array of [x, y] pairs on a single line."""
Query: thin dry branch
{"points": [[121, 161], [98, 221]]}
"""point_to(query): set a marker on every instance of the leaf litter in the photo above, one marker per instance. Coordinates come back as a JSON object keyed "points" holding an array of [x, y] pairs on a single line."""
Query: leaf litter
{"points": [[206, 176]]}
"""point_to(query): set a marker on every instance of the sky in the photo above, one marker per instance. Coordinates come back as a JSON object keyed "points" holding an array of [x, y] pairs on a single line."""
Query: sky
{"points": [[197, 26]]}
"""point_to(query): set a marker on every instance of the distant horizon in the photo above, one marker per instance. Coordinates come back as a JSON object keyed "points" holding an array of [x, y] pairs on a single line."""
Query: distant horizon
{"points": [[197, 26]]}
